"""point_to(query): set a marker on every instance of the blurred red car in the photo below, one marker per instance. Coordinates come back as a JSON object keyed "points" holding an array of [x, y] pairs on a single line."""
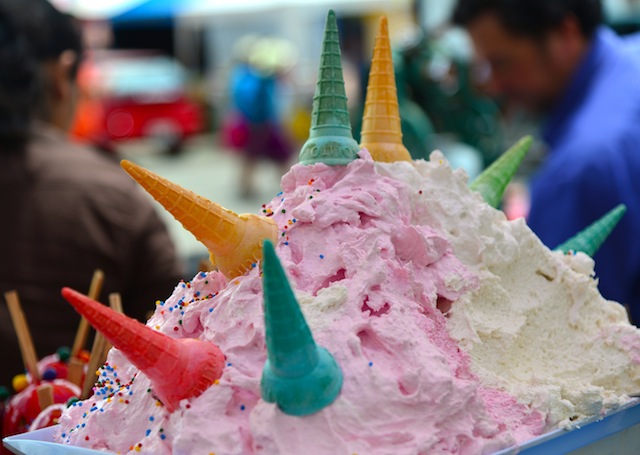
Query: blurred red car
{"points": [[127, 95]]}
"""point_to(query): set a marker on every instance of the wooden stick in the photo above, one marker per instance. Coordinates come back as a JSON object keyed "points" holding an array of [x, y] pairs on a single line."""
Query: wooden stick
{"points": [[75, 371], [45, 396], [95, 361], [83, 329], [100, 349], [25, 341], [115, 302]]}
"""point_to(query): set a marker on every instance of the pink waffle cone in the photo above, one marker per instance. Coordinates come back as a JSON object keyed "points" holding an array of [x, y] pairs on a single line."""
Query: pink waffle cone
{"points": [[178, 368]]}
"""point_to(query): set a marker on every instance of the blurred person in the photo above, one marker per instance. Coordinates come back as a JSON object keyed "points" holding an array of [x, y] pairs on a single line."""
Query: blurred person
{"points": [[67, 210], [434, 71], [555, 57], [254, 89]]}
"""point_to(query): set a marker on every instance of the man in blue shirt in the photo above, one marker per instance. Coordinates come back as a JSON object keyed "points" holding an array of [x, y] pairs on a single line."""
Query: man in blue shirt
{"points": [[555, 57]]}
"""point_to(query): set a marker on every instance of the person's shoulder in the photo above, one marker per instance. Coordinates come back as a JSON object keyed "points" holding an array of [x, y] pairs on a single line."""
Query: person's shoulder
{"points": [[617, 76], [87, 176], [593, 143], [596, 156], [56, 161]]}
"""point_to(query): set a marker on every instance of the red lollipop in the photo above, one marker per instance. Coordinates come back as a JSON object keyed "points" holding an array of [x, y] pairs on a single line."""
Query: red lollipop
{"points": [[24, 407]]}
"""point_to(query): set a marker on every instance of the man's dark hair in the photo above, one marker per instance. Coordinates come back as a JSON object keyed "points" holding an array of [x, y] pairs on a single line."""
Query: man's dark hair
{"points": [[532, 17], [32, 32]]}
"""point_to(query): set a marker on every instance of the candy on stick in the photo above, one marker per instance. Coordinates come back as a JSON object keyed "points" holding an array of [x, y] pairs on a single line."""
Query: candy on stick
{"points": [[178, 368], [25, 406], [55, 365], [83, 329], [20, 382], [234, 241], [24, 335], [45, 395], [75, 372], [381, 128], [48, 417]]}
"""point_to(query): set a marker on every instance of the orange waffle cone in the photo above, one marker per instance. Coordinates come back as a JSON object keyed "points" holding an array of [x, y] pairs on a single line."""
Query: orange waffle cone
{"points": [[178, 368], [381, 130], [234, 241]]}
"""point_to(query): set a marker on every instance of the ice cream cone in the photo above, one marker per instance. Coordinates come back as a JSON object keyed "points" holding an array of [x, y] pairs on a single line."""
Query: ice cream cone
{"points": [[591, 239], [381, 130], [234, 241], [178, 368], [330, 138], [299, 376], [494, 180]]}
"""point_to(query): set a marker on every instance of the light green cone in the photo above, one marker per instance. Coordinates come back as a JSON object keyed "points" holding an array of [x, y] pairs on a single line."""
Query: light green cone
{"points": [[591, 239], [299, 376], [494, 180], [330, 138]]}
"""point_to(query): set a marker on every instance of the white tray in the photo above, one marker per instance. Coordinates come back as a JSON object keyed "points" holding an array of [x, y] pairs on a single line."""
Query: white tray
{"points": [[617, 433]]}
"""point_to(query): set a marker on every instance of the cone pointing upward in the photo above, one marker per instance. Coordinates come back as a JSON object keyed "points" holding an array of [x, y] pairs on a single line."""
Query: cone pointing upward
{"points": [[494, 180], [330, 138], [234, 241], [299, 376], [381, 130], [178, 369], [591, 239]]}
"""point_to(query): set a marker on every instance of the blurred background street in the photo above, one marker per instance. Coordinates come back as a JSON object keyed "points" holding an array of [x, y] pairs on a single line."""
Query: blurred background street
{"points": [[215, 95]]}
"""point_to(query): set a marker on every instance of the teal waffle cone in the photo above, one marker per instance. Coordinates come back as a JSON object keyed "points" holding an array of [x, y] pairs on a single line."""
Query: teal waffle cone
{"points": [[494, 180], [591, 239], [299, 376], [330, 138]]}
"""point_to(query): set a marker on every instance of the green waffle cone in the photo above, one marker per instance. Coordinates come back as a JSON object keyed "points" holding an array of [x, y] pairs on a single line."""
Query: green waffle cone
{"points": [[591, 239], [299, 376], [494, 180], [330, 138]]}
